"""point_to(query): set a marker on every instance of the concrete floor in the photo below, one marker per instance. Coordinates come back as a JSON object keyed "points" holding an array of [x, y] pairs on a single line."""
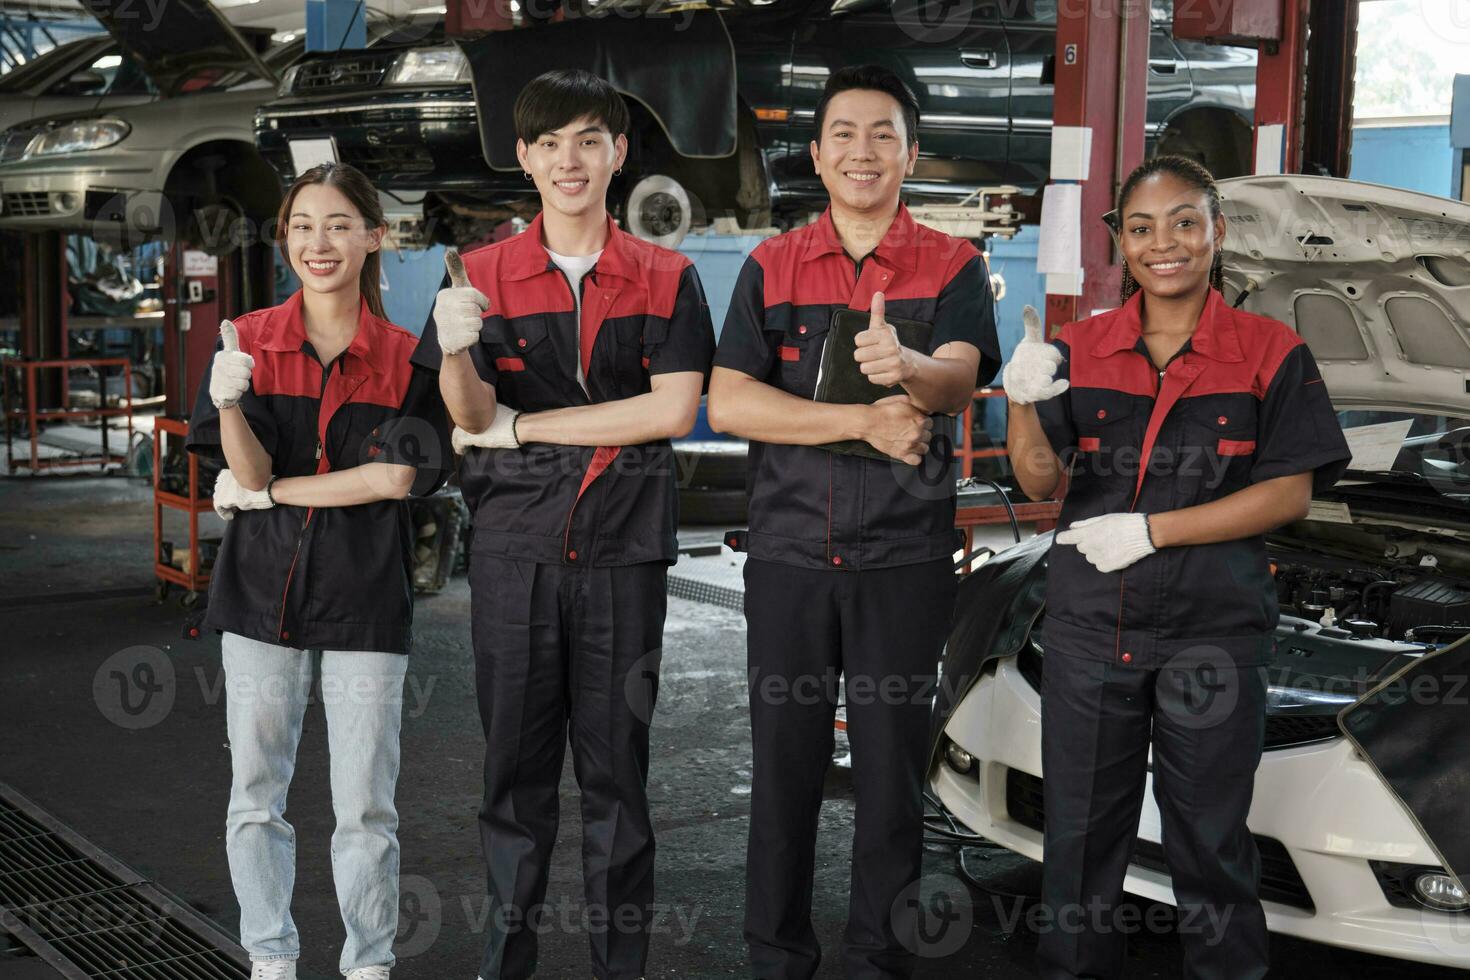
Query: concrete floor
{"points": [[76, 609]]}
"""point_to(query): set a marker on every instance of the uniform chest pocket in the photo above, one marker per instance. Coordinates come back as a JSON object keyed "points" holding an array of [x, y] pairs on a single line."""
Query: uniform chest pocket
{"points": [[523, 360], [1217, 448], [637, 338], [799, 355]]}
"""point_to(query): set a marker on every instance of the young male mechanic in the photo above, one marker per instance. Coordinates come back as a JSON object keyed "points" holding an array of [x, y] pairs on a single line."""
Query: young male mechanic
{"points": [[850, 559], [571, 355]]}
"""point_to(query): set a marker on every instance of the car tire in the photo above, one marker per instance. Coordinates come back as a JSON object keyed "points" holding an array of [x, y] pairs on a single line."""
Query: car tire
{"points": [[704, 506], [659, 210], [1223, 150]]}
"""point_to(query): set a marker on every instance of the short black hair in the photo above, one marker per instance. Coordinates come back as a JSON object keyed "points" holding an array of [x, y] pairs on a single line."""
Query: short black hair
{"points": [[551, 100], [879, 79]]}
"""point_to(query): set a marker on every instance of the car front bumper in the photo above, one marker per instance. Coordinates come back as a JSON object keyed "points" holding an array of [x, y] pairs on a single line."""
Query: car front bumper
{"points": [[1324, 807], [86, 193]]}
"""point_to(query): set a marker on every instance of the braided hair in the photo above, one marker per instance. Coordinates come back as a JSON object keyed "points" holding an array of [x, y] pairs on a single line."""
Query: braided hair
{"points": [[1195, 175]]}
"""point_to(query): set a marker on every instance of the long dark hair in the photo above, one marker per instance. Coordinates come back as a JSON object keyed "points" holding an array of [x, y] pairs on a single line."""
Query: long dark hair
{"points": [[1195, 175], [364, 196]]}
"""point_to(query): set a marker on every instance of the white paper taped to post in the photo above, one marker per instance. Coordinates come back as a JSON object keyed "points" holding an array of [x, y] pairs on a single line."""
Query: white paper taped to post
{"points": [[1059, 246]]}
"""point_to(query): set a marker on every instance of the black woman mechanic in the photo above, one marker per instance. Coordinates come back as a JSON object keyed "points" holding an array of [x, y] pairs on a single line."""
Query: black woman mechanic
{"points": [[1190, 429]]}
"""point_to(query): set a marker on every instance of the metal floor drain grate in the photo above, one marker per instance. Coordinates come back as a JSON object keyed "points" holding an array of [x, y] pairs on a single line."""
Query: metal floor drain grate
{"points": [[88, 916]]}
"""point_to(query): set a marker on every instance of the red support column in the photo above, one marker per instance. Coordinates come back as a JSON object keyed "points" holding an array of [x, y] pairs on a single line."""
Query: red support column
{"points": [[1101, 88], [1280, 87]]}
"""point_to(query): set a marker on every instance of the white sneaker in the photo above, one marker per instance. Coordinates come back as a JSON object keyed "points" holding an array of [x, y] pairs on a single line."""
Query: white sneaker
{"points": [[272, 970], [368, 973]]}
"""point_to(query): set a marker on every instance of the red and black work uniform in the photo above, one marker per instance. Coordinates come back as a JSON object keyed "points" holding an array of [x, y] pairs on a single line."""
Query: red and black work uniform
{"points": [[849, 573], [325, 578], [1171, 649], [568, 558]]}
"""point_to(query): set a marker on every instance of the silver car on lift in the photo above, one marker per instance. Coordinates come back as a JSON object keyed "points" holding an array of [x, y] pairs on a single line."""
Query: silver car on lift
{"points": [[183, 163]]}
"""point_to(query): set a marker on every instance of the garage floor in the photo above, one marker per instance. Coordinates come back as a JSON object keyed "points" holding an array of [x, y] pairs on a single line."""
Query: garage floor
{"points": [[76, 603]]}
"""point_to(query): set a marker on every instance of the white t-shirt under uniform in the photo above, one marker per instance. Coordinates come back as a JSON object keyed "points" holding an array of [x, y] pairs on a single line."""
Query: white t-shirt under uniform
{"points": [[575, 267]]}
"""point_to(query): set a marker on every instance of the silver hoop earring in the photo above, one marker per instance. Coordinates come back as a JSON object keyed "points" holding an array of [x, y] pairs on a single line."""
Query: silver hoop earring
{"points": [[618, 172], [526, 174]]}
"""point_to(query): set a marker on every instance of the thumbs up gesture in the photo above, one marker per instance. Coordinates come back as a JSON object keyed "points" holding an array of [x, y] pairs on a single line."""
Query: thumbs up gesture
{"points": [[1030, 374], [229, 378], [881, 358], [458, 309]]}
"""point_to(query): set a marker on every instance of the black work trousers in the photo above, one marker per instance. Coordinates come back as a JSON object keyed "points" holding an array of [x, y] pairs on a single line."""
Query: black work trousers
{"points": [[1205, 720], [561, 652], [881, 632]]}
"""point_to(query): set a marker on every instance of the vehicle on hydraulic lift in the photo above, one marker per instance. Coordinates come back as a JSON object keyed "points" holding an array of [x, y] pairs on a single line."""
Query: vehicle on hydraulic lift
{"points": [[743, 89], [181, 165], [89, 73], [1375, 580]]}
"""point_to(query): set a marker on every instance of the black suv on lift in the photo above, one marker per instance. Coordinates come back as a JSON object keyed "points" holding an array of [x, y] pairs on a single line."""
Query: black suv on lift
{"points": [[407, 114]]}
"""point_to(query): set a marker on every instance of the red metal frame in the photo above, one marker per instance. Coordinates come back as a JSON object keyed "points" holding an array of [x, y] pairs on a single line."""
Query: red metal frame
{"points": [[1281, 81], [966, 452], [1043, 513], [34, 414], [1101, 83], [193, 505]]}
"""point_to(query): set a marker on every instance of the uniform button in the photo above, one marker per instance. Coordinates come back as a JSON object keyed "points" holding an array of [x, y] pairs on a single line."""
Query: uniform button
{"points": [[801, 329], [194, 631], [521, 342], [1127, 658], [1102, 413], [1222, 420], [571, 556], [731, 542], [285, 635], [837, 559]]}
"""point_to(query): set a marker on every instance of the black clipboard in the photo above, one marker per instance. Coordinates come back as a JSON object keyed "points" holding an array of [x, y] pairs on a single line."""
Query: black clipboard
{"points": [[840, 379]]}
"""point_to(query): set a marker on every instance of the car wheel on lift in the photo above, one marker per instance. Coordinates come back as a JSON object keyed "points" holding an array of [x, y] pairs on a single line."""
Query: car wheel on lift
{"points": [[659, 210], [704, 506]]}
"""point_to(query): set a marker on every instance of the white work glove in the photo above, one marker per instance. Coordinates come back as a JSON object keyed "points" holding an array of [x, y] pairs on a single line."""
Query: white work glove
{"points": [[1111, 542], [500, 435], [229, 379], [229, 496], [1030, 375], [459, 309]]}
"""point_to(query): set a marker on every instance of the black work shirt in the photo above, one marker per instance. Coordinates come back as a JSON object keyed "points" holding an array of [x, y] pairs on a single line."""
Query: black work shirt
{"points": [[1242, 402], [812, 507], [643, 314], [328, 578]]}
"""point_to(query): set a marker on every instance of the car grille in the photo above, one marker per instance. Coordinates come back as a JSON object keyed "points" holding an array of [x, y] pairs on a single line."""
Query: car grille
{"points": [[1280, 880], [16, 140], [336, 74], [1282, 731], [405, 159], [27, 204]]}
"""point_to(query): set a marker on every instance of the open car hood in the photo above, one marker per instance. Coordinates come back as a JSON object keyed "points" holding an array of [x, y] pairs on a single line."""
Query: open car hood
{"points": [[178, 39], [1375, 279]]}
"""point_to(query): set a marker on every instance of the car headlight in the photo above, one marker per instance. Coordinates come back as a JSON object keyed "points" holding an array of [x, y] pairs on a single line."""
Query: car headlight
{"points": [[89, 134], [288, 80], [425, 66]]}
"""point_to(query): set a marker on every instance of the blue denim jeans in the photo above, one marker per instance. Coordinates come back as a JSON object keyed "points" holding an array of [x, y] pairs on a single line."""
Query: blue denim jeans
{"points": [[266, 690]]}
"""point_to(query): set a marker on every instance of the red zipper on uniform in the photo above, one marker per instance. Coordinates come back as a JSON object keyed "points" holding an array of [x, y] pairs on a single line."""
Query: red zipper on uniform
{"points": [[281, 626], [322, 464], [1137, 492], [602, 458]]}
